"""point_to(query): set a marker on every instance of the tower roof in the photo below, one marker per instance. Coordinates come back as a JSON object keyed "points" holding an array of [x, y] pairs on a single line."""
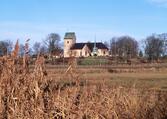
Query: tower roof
{"points": [[70, 35]]}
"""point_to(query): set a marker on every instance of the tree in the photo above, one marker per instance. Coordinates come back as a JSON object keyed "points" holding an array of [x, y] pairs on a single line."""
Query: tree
{"points": [[39, 48], [43, 49], [21, 50], [154, 47], [9, 44], [36, 48], [163, 37], [124, 46], [140, 53], [5, 47], [52, 43], [113, 46]]}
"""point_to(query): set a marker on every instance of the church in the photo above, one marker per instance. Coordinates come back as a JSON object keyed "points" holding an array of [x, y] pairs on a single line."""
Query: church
{"points": [[73, 49]]}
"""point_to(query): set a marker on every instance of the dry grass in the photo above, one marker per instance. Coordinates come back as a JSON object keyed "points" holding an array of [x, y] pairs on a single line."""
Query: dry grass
{"points": [[35, 95]]}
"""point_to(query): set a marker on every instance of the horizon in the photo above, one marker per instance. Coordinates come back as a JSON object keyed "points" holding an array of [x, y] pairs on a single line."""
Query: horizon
{"points": [[35, 19]]}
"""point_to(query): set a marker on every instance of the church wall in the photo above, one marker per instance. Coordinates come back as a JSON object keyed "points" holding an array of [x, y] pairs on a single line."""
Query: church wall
{"points": [[67, 45], [103, 52], [76, 53], [84, 52]]}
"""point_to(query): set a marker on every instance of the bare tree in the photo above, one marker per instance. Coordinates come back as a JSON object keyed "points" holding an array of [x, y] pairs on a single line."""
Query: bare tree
{"points": [[36, 48], [113, 47], [124, 46], [21, 50], [6, 47], [154, 47], [163, 37], [9, 46], [43, 49], [140, 53], [52, 43]]}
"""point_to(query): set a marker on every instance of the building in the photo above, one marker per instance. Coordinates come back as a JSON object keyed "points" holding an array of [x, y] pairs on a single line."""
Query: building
{"points": [[71, 48]]}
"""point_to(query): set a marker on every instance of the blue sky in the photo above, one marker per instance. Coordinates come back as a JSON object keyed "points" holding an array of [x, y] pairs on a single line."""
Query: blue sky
{"points": [[34, 19]]}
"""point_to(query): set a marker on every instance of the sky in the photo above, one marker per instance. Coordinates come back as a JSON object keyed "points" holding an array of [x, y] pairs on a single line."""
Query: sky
{"points": [[103, 19]]}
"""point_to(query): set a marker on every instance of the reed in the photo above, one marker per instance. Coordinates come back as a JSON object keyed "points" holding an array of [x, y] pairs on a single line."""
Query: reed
{"points": [[35, 95]]}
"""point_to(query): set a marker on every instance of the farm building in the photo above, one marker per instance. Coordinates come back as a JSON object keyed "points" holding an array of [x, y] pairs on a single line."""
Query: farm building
{"points": [[71, 48]]}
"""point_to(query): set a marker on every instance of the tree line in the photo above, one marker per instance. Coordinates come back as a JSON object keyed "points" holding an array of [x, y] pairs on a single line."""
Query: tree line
{"points": [[50, 45], [152, 48]]}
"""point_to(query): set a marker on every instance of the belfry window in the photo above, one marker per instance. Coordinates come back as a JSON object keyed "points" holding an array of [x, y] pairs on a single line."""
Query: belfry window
{"points": [[67, 42]]}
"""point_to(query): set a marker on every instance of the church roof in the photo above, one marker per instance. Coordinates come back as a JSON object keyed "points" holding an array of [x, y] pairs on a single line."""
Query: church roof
{"points": [[99, 45], [70, 35], [78, 46]]}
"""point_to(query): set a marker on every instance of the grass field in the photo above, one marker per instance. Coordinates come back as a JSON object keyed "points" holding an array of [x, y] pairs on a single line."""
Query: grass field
{"points": [[141, 80], [156, 79]]}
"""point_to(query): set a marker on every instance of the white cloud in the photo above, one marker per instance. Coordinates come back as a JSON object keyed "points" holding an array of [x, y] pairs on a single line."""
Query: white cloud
{"points": [[159, 2]]}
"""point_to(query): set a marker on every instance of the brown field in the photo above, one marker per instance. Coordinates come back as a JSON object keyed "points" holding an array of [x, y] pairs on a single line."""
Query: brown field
{"points": [[156, 79], [80, 93]]}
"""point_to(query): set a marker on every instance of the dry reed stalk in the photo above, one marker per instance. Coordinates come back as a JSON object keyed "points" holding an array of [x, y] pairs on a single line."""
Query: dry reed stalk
{"points": [[40, 69], [16, 50], [26, 55], [71, 71], [35, 96]]}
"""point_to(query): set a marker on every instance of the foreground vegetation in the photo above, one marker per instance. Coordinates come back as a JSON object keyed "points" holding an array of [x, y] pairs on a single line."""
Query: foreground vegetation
{"points": [[75, 94], [26, 94]]}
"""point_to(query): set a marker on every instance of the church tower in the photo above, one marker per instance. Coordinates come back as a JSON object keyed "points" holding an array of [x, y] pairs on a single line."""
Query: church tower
{"points": [[69, 41]]}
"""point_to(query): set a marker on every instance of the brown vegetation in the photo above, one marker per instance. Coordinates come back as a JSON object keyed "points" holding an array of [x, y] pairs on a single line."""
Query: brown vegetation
{"points": [[35, 95]]}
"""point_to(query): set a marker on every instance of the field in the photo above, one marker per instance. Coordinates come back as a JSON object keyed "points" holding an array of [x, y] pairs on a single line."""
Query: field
{"points": [[155, 79], [40, 92]]}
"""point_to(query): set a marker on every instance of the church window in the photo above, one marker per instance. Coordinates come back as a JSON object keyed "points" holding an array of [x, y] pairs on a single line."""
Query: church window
{"points": [[85, 53], [80, 53]]}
